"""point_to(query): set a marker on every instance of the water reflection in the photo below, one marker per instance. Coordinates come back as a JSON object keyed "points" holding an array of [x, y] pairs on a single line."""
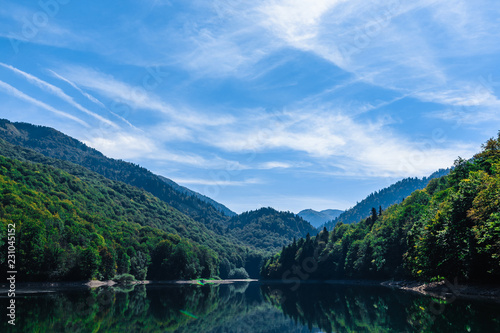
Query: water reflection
{"points": [[344, 308], [244, 307], [233, 308]]}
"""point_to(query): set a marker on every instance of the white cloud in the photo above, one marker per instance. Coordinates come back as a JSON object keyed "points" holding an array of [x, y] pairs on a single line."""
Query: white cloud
{"points": [[294, 20], [274, 165], [331, 137], [465, 96], [31, 24], [122, 145], [217, 182], [147, 145], [19, 94], [126, 145]]}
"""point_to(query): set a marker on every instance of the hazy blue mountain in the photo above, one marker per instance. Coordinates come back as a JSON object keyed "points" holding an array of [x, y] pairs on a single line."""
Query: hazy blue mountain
{"points": [[318, 218], [384, 198]]}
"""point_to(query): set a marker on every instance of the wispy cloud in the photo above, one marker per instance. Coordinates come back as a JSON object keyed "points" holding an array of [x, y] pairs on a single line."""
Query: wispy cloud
{"points": [[138, 97], [215, 182], [392, 45], [87, 95], [274, 165], [19, 94], [146, 145], [19, 25], [56, 91], [331, 137]]}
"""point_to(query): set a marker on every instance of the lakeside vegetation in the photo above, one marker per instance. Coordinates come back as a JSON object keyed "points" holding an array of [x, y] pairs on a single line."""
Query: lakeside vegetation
{"points": [[450, 229]]}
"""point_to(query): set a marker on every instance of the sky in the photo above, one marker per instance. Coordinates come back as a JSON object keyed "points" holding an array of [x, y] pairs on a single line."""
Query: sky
{"points": [[283, 103]]}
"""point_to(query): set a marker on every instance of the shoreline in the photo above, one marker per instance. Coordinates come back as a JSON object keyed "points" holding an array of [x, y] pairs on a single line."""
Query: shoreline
{"points": [[47, 286], [442, 290]]}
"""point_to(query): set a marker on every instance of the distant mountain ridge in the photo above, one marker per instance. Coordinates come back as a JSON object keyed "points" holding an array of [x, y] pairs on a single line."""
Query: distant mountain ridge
{"points": [[319, 218], [383, 198], [268, 228]]}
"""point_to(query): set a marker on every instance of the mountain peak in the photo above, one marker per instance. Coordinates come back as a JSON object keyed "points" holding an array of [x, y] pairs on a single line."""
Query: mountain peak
{"points": [[318, 218]]}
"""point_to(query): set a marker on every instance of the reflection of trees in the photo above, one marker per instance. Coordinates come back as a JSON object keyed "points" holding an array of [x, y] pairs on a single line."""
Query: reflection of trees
{"points": [[338, 308], [225, 308], [245, 308]]}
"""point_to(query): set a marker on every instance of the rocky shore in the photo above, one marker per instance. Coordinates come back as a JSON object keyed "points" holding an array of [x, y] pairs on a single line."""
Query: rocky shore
{"points": [[447, 289]]}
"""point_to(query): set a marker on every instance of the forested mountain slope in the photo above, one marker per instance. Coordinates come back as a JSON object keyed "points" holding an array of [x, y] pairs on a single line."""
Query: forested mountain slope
{"points": [[72, 228], [450, 229], [89, 201], [53, 143], [384, 198]]}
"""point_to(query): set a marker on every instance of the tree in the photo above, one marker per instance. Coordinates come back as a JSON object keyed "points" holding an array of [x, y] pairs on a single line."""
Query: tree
{"points": [[139, 265], [374, 215], [89, 262], [108, 263]]}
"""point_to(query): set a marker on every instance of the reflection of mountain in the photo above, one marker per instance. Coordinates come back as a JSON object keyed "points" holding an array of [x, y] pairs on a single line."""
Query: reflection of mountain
{"points": [[344, 308]]}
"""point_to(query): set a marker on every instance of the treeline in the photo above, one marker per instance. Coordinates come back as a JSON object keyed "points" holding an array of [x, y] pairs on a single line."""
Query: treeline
{"points": [[386, 197], [451, 229]]}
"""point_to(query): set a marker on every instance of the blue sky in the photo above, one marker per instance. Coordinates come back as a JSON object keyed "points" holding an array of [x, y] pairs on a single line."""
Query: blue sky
{"points": [[281, 103]]}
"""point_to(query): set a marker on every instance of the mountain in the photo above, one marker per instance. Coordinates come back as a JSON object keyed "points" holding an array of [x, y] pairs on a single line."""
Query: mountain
{"points": [[384, 198], [220, 207], [81, 226], [449, 230], [319, 218], [55, 144], [237, 246], [268, 228]]}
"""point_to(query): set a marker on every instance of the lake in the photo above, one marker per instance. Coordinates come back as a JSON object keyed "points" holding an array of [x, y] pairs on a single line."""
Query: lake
{"points": [[245, 307]]}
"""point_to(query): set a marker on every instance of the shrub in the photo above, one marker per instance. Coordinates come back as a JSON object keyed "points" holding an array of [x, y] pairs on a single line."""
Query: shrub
{"points": [[238, 273], [124, 278]]}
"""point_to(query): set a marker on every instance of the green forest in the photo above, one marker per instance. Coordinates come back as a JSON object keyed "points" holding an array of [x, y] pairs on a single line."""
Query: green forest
{"points": [[450, 229], [74, 213], [70, 229]]}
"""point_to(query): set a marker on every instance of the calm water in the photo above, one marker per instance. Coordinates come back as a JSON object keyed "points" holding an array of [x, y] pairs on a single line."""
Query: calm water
{"points": [[246, 307]]}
